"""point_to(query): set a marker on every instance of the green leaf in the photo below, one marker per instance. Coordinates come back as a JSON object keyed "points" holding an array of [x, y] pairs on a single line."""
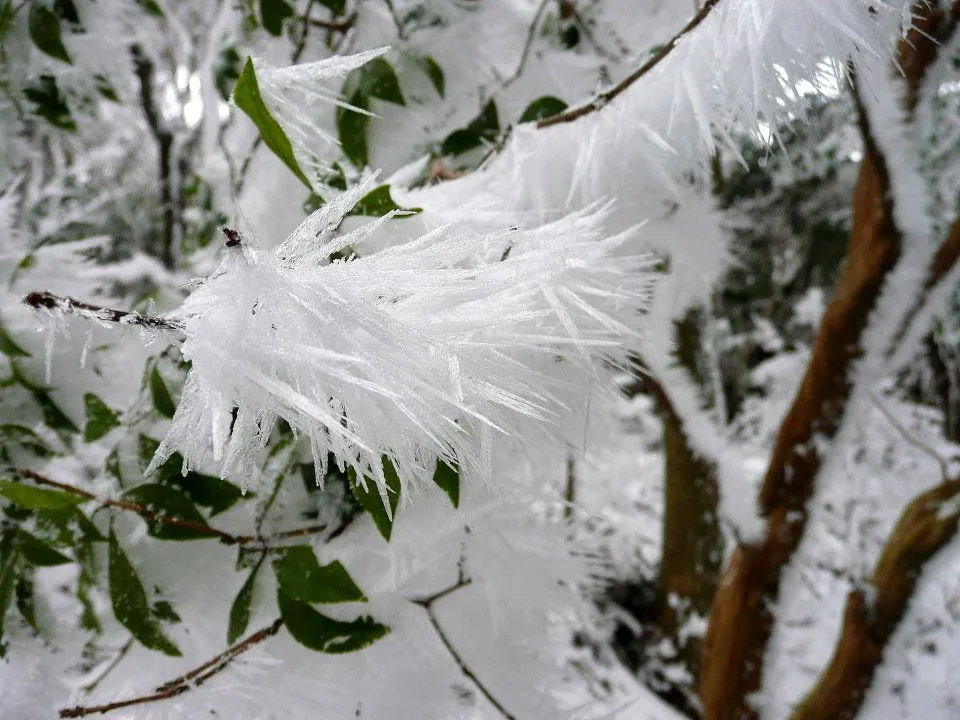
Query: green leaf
{"points": [[66, 527], [48, 104], [45, 32], [168, 502], [543, 107], [112, 466], [226, 71], [39, 553], [9, 565], [301, 577], [324, 634], [485, 128], [434, 72], [161, 396], [87, 579], [66, 10], [352, 130], [246, 95], [207, 491], [273, 13], [335, 6], [25, 438], [8, 347], [34, 498], [105, 88], [447, 478], [378, 202], [100, 418], [25, 604], [371, 501], [53, 416], [378, 79], [242, 603], [163, 610], [146, 449], [130, 604], [150, 7]]}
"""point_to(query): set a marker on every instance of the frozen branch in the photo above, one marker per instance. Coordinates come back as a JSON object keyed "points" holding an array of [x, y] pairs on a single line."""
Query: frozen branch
{"points": [[427, 604], [43, 300], [603, 98], [184, 683]]}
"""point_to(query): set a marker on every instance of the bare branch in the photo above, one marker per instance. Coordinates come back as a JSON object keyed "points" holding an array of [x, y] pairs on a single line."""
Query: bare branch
{"points": [[185, 682], [43, 300], [601, 99], [531, 33]]}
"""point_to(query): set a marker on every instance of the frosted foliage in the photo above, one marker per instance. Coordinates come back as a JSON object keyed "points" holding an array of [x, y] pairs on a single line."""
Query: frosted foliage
{"points": [[415, 351]]}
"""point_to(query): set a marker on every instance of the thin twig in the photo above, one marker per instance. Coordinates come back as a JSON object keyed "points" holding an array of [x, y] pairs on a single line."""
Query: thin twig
{"points": [[122, 653], [335, 25], [911, 438], [570, 491], [531, 33], [427, 604], [601, 99], [185, 682], [223, 536], [396, 18], [43, 300]]}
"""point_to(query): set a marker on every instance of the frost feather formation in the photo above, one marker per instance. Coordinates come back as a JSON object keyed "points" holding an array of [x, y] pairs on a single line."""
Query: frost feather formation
{"points": [[416, 352]]}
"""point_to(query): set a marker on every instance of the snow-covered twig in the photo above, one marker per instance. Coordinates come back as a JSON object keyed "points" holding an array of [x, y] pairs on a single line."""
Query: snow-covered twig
{"points": [[43, 300]]}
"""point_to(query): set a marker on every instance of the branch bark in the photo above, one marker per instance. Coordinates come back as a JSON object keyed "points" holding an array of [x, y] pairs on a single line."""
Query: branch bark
{"points": [[872, 615], [741, 619]]}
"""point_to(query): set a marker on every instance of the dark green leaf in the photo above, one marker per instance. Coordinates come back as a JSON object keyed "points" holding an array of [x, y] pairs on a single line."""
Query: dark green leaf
{"points": [[39, 553], [335, 178], [146, 449], [8, 347], [378, 79], [485, 128], [25, 438], [45, 32], [66, 10], [246, 95], [53, 416], [371, 501], [161, 396], [378, 202], [543, 107], [25, 604], [273, 13], [226, 70], [150, 7], [164, 611], [9, 566], [36, 498], [352, 130], [312, 203], [86, 557], [168, 502], [48, 104], [105, 88], [447, 478], [100, 418], [336, 6], [130, 604], [67, 526], [434, 72], [323, 634], [207, 491], [301, 577], [242, 603], [112, 466]]}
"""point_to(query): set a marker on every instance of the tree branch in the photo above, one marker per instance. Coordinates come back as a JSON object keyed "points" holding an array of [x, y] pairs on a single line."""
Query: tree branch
{"points": [[335, 25], [525, 53], [182, 684], [427, 604], [223, 536], [601, 99], [43, 300]]}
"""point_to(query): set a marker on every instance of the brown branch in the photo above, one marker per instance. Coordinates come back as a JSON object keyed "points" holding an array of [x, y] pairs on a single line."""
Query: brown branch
{"points": [[741, 619], [44, 300], [927, 524], [524, 54], [427, 604], [601, 99], [186, 682], [223, 536], [335, 25]]}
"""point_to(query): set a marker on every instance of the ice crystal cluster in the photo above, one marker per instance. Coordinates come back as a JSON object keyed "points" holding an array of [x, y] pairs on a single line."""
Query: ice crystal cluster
{"points": [[416, 352]]}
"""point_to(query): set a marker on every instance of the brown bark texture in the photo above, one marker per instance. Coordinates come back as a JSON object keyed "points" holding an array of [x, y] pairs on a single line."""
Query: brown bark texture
{"points": [[741, 619]]}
